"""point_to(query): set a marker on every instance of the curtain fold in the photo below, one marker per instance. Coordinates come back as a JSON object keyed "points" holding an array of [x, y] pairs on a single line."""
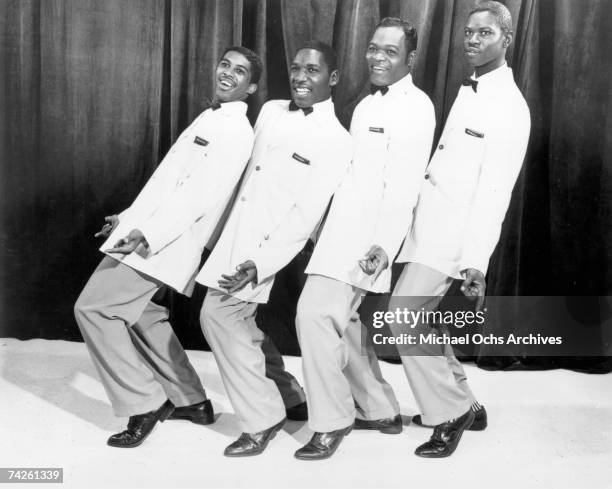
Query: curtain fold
{"points": [[200, 31], [94, 92], [81, 122]]}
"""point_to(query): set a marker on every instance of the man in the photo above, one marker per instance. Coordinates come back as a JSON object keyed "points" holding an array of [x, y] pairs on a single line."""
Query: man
{"points": [[458, 219], [371, 213], [301, 154], [159, 240]]}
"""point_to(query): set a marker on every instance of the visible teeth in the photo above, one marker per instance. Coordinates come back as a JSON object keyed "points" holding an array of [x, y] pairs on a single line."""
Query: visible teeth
{"points": [[302, 91], [225, 83]]}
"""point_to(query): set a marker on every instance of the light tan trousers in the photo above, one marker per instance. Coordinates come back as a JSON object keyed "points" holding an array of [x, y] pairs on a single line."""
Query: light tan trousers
{"points": [[341, 381], [251, 367], [139, 358], [436, 377]]}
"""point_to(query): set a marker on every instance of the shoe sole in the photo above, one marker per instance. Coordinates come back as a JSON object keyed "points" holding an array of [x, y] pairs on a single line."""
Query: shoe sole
{"points": [[162, 417], [477, 425], [193, 420], [388, 430]]}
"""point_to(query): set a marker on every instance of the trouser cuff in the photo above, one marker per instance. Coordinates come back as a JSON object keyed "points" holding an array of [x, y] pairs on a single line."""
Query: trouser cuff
{"points": [[437, 418]]}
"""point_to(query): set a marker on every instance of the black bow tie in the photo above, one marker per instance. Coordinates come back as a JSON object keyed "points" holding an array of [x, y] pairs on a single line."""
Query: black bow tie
{"points": [[293, 106], [470, 82], [209, 104], [378, 88]]}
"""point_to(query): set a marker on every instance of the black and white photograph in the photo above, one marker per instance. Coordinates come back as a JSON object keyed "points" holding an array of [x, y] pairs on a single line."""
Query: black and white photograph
{"points": [[306, 244]]}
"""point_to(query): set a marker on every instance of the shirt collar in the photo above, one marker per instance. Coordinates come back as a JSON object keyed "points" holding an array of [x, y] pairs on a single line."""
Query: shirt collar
{"points": [[324, 107], [400, 86], [237, 107], [494, 77]]}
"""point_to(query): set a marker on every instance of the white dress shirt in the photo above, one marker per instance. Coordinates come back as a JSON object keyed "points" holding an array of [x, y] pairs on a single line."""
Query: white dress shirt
{"points": [[298, 162], [181, 204], [469, 181], [393, 134]]}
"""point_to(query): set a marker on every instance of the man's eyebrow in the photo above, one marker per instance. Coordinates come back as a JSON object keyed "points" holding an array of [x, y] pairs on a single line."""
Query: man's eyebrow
{"points": [[238, 65], [386, 46]]}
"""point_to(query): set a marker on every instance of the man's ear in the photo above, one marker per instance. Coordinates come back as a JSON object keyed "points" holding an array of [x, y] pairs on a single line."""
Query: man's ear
{"points": [[252, 88], [509, 37], [411, 59], [334, 78]]}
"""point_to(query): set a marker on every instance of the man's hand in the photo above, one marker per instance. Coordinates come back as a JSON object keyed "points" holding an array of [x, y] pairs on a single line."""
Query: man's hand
{"points": [[109, 227], [126, 245], [374, 262], [245, 273], [474, 286]]}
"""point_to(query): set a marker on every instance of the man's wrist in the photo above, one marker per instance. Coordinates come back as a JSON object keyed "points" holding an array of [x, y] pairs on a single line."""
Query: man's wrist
{"points": [[252, 266], [137, 234]]}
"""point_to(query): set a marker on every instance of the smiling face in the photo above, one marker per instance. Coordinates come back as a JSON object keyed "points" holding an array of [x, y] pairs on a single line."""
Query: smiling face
{"points": [[310, 79], [387, 58], [485, 43], [233, 78]]}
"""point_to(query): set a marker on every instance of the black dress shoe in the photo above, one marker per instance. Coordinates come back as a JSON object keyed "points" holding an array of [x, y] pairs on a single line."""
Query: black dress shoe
{"points": [[298, 413], [322, 445], [445, 437], [140, 426], [390, 426], [253, 443], [200, 413], [479, 424]]}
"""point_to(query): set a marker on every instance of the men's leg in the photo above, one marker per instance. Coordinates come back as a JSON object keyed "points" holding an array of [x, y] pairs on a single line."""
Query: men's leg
{"points": [[230, 329], [113, 299], [459, 373], [323, 315], [290, 389], [374, 396], [427, 367], [155, 340]]}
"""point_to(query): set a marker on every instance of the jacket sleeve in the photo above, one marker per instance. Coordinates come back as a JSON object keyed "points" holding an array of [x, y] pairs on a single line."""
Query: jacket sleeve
{"points": [[296, 227], [208, 185], [502, 162], [407, 159]]}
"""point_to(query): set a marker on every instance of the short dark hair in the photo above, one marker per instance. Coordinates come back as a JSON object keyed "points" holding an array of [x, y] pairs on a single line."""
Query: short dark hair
{"points": [[499, 11], [253, 59], [329, 55], [411, 38]]}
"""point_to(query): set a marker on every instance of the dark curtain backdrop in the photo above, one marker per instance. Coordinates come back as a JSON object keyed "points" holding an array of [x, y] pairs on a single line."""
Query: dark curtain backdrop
{"points": [[94, 92]]}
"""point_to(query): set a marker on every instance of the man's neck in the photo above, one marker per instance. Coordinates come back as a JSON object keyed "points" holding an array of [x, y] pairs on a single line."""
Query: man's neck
{"points": [[489, 67]]}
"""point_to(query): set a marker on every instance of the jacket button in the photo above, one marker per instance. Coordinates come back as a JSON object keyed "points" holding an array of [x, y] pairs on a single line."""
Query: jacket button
{"points": [[426, 176], [441, 146], [257, 168], [243, 198]]}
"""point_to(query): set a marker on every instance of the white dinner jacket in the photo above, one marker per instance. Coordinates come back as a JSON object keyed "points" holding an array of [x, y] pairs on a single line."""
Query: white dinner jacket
{"points": [[298, 162], [469, 181], [393, 135], [181, 204]]}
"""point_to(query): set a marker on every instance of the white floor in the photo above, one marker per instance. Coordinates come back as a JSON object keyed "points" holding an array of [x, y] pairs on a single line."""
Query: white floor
{"points": [[549, 429]]}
